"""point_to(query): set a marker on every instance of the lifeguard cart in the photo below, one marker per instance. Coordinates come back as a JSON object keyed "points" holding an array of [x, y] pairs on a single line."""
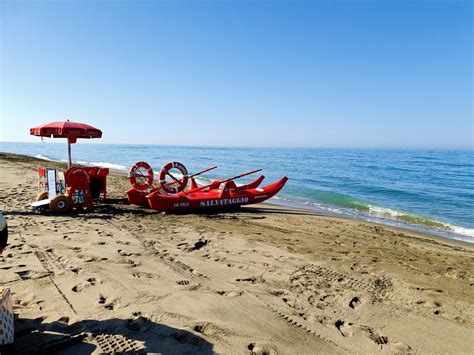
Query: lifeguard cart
{"points": [[77, 187]]}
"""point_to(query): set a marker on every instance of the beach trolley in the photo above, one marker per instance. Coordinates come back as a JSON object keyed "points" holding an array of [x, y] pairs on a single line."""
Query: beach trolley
{"points": [[77, 187], [74, 189]]}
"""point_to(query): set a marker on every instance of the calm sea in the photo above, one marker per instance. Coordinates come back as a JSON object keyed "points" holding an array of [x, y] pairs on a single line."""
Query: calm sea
{"points": [[427, 190]]}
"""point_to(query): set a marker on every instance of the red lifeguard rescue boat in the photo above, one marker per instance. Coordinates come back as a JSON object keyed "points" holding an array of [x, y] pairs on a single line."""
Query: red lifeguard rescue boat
{"points": [[175, 195]]}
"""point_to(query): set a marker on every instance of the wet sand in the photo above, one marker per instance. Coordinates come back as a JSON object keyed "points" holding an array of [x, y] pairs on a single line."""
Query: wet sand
{"points": [[264, 279]]}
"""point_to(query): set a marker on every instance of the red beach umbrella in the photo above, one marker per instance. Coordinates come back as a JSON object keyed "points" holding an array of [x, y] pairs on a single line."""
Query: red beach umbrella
{"points": [[66, 129]]}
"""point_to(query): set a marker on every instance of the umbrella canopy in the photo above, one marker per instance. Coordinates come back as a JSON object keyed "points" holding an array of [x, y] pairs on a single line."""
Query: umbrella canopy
{"points": [[66, 129]]}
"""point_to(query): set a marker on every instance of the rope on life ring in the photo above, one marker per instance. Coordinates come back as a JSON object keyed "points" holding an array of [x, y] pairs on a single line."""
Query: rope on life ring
{"points": [[141, 176], [176, 185]]}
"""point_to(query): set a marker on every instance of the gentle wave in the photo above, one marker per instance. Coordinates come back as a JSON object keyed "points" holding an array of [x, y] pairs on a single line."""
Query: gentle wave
{"points": [[42, 157], [420, 220], [109, 165], [461, 230], [86, 163], [347, 205], [346, 201]]}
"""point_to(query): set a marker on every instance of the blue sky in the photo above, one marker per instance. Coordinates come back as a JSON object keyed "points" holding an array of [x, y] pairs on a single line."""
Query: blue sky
{"points": [[242, 73]]}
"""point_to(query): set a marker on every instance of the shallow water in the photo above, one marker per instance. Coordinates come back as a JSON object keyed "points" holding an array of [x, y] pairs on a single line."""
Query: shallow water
{"points": [[428, 190]]}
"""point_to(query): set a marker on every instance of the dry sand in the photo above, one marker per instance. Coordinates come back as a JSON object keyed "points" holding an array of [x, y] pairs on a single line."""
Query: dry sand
{"points": [[263, 280]]}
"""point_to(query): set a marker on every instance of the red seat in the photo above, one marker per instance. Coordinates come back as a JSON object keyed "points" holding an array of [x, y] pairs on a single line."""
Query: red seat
{"points": [[78, 188]]}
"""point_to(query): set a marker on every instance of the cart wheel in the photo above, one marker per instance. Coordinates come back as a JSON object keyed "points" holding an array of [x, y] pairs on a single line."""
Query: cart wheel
{"points": [[42, 196], [59, 203]]}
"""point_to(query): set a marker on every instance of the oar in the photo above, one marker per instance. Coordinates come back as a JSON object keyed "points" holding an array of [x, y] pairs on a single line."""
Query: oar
{"points": [[199, 173], [176, 181], [233, 178], [204, 171]]}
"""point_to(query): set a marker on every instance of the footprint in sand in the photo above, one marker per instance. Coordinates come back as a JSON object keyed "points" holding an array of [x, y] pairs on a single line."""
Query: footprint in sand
{"points": [[75, 270], [233, 293], [132, 263], [30, 274], [108, 305], [124, 253], [251, 279], [199, 244], [39, 304], [375, 336], [277, 292], [90, 282], [209, 329], [16, 246], [354, 302], [261, 349], [145, 275], [344, 328]]}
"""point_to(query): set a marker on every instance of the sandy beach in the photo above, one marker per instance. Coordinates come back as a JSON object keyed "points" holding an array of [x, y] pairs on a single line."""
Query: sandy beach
{"points": [[263, 280]]}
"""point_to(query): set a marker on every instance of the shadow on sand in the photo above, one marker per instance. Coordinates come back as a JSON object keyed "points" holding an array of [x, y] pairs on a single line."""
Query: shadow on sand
{"points": [[137, 335], [109, 208]]}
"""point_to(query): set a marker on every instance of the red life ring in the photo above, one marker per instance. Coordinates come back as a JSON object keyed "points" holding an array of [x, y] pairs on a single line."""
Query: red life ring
{"points": [[177, 185], [141, 176]]}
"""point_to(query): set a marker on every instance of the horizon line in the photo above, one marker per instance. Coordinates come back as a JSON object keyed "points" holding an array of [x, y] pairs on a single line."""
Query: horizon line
{"points": [[253, 147]]}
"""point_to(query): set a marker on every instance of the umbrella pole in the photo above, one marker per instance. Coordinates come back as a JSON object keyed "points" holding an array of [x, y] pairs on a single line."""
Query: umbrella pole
{"points": [[69, 154]]}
